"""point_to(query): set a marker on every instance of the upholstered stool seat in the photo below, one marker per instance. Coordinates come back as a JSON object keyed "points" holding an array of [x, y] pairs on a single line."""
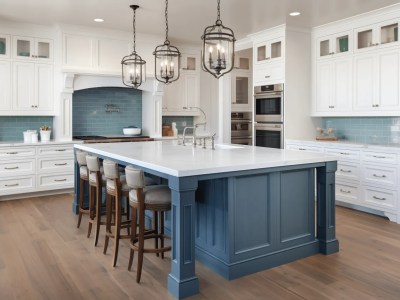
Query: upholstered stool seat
{"points": [[142, 198]]}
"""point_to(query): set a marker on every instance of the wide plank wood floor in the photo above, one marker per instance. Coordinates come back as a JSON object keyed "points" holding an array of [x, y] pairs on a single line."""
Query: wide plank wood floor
{"points": [[44, 256]]}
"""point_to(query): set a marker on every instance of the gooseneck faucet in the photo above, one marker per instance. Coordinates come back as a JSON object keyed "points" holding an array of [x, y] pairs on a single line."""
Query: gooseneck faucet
{"points": [[204, 123]]}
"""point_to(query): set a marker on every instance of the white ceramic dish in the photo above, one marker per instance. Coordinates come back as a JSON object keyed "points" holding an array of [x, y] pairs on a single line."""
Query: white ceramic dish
{"points": [[132, 131]]}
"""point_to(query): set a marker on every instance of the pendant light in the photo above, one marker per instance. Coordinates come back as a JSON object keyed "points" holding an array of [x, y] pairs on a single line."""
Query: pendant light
{"points": [[133, 66], [167, 58], [218, 51]]}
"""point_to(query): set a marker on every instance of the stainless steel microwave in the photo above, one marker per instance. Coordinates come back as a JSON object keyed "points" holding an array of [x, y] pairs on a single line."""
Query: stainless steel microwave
{"points": [[269, 104]]}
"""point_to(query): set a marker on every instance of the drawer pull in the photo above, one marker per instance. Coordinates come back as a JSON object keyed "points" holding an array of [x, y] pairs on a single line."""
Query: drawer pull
{"points": [[12, 153], [377, 198], [345, 171], [302, 149], [379, 176], [377, 156], [344, 153], [60, 150], [60, 180], [11, 185], [346, 192], [64, 164], [11, 168]]}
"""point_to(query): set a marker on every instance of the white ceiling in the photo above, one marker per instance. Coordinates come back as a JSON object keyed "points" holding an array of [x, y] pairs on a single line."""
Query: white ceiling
{"points": [[187, 18]]}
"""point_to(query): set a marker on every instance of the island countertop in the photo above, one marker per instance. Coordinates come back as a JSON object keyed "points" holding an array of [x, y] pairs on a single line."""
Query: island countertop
{"points": [[177, 160]]}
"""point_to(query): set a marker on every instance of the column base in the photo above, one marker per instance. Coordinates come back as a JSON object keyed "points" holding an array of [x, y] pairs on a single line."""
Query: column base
{"points": [[183, 289], [329, 247]]}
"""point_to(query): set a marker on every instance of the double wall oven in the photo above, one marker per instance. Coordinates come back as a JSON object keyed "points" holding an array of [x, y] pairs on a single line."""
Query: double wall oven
{"points": [[269, 116]]}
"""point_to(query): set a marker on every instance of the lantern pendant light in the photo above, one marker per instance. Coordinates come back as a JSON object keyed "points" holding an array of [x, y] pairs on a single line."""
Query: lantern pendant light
{"points": [[133, 66], [167, 58], [218, 51]]}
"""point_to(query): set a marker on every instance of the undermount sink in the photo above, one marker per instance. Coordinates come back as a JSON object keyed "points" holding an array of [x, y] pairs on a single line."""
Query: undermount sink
{"points": [[227, 147]]}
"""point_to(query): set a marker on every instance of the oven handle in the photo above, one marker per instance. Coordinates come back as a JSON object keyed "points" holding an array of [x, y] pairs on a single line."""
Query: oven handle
{"points": [[241, 121], [240, 137], [268, 95], [268, 127]]}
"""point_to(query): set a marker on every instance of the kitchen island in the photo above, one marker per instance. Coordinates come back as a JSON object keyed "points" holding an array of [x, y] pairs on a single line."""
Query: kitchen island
{"points": [[237, 209]]}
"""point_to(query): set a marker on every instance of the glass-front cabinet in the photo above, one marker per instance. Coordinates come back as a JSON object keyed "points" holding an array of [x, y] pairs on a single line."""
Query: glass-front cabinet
{"points": [[384, 34], [333, 45], [4, 46], [269, 51], [190, 62], [32, 48], [242, 99]]}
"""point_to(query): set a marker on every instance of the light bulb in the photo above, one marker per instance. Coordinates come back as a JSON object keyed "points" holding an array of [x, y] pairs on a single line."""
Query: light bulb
{"points": [[210, 49]]}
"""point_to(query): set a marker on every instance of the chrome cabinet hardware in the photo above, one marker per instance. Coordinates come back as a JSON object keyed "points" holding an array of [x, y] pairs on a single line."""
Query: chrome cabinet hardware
{"points": [[11, 185], [60, 150], [303, 149], [377, 156], [346, 192], [379, 176], [331, 106], [11, 168], [344, 153], [345, 171], [268, 76], [60, 180], [12, 153], [377, 198], [64, 164]]}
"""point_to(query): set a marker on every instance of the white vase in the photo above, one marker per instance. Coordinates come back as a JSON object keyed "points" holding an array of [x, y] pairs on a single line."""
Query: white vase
{"points": [[45, 135]]}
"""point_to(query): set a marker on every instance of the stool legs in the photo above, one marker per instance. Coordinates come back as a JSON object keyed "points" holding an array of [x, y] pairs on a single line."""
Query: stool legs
{"points": [[81, 194], [91, 209], [98, 212], [117, 229], [133, 235], [141, 242], [155, 228], [108, 221]]}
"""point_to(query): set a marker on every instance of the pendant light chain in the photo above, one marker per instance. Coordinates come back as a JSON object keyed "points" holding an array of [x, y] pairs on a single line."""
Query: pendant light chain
{"points": [[218, 13], [166, 22], [134, 30]]}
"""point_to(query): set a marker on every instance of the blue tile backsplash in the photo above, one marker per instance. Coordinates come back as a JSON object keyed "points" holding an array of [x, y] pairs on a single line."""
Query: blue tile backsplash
{"points": [[11, 127], [91, 118], [369, 130], [181, 122]]}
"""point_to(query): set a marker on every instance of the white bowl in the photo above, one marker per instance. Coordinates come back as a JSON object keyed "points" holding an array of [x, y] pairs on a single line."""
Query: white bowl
{"points": [[132, 131]]}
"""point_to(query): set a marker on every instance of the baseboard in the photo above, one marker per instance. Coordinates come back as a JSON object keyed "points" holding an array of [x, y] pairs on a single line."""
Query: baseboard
{"points": [[35, 194]]}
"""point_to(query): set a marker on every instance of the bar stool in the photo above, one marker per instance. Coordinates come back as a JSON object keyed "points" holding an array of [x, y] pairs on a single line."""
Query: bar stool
{"points": [[116, 188], [96, 183], [155, 198], [83, 179]]}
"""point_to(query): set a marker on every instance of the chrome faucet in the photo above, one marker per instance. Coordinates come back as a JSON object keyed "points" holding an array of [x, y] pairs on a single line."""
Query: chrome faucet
{"points": [[195, 125], [184, 134]]}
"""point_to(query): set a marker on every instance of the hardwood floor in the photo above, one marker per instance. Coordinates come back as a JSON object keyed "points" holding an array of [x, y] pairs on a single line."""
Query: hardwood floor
{"points": [[44, 256]]}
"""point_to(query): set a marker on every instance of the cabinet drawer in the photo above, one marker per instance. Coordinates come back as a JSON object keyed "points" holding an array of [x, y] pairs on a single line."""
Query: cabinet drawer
{"points": [[268, 72], [305, 148], [23, 184], [344, 154], [379, 157], [55, 165], [384, 199], [59, 181], [17, 152], [347, 192], [15, 168], [346, 170], [56, 150], [380, 175]]}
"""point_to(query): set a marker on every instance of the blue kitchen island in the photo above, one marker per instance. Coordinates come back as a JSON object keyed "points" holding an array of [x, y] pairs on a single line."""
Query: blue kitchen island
{"points": [[236, 209]]}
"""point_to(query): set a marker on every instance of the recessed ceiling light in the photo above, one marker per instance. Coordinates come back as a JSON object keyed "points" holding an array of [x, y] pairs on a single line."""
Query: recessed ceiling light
{"points": [[294, 14], [98, 20]]}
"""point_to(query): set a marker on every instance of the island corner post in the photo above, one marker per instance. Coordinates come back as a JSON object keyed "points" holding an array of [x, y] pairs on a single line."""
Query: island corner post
{"points": [[210, 213]]}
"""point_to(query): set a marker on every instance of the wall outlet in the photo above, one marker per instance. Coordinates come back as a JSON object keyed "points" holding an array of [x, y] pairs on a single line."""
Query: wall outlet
{"points": [[184, 123]]}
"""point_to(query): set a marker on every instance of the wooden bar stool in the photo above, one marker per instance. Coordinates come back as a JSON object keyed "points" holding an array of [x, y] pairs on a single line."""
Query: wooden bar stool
{"points": [[116, 189], [83, 180], [96, 183], [155, 198]]}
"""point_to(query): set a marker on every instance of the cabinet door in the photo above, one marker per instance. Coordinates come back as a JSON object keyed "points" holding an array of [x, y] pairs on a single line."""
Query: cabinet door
{"points": [[43, 49], [270, 73], [4, 46], [110, 53], [190, 62], [388, 71], [324, 86], [173, 97], [364, 82], [191, 90], [23, 86], [342, 84], [78, 51], [44, 87], [5, 86], [241, 91], [23, 47]]}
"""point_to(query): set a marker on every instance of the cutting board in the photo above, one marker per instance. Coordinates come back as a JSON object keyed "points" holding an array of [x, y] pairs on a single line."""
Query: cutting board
{"points": [[326, 138]]}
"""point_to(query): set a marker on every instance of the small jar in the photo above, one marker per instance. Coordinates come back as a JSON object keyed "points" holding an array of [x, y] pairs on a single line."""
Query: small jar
{"points": [[34, 137]]}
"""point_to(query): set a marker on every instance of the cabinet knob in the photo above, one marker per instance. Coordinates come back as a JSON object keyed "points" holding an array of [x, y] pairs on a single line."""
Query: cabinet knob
{"points": [[377, 44], [331, 106], [267, 76]]}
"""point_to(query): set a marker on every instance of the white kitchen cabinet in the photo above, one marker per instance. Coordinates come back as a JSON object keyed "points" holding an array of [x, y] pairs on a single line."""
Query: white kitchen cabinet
{"points": [[269, 73], [334, 85], [110, 54], [269, 51], [4, 46], [78, 51], [376, 36], [334, 45], [376, 81], [5, 86], [242, 92], [31, 48], [33, 88]]}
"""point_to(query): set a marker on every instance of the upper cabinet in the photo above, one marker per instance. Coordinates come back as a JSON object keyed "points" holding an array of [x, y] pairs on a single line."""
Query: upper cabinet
{"points": [[334, 45], [380, 35], [242, 91], [4, 46], [5, 85], [30, 48], [271, 50]]}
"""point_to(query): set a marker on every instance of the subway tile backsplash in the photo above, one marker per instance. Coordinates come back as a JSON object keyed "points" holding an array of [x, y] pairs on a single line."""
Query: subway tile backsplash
{"points": [[11, 127], [106, 110], [369, 130]]}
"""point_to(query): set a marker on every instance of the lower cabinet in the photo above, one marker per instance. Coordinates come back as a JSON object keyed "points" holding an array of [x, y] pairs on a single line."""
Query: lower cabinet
{"points": [[365, 177], [34, 168]]}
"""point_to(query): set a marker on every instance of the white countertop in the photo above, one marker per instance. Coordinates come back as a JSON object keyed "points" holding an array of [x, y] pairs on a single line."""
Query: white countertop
{"points": [[387, 147], [177, 160], [21, 143]]}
